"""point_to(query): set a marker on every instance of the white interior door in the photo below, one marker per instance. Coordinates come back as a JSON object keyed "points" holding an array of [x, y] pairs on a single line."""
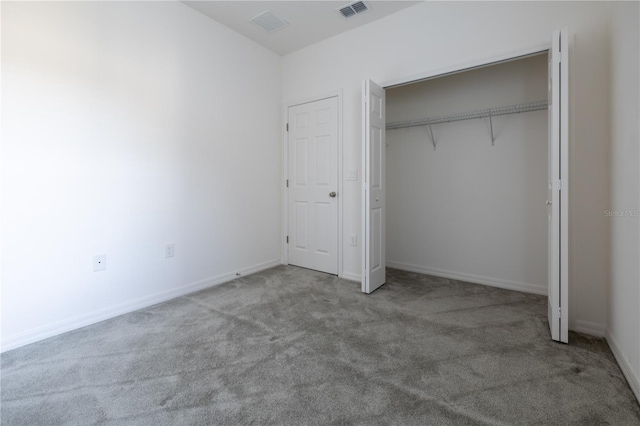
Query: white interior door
{"points": [[558, 199], [313, 185], [373, 222]]}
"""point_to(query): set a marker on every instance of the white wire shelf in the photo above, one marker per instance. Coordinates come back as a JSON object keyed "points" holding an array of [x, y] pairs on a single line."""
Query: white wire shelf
{"points": [[483, 113]]}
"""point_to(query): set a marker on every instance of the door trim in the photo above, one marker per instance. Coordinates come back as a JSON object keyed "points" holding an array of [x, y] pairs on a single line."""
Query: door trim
{"points": [[285, 175]]}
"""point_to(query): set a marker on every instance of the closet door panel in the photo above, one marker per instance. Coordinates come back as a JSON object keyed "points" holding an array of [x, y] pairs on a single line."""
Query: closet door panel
{"points": [[374, 209], [558, 202]]}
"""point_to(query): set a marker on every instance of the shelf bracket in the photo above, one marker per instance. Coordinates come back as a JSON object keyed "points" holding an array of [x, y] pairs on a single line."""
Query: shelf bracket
{"points": [[493, 139], [433, 140]]}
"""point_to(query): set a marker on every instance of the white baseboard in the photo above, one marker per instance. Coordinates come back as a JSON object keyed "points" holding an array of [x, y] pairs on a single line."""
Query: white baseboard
{"points": [[50, 330], [625, 366], [592, 328], [477, 279], [351, 276]]}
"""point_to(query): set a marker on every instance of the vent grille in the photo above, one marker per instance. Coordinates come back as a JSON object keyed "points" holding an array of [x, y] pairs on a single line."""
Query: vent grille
{"points": [[269, 22], [353, 9]]}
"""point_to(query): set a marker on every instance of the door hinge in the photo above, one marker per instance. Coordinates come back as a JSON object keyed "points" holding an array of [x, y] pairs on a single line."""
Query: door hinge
{"points": [[287, 127], [287, 239], [287, 183], [559, 312]]}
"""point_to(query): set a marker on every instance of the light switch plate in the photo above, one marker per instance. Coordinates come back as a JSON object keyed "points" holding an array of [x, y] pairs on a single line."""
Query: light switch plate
{"points": [[352, 174]]}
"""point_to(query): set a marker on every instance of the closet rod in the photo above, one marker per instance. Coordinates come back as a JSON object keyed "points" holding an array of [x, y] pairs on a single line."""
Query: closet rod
{"points": [[483, 113]]}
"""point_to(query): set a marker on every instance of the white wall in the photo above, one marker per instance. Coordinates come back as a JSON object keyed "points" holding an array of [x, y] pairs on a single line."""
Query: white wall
{"points": [[469, 210], [443, 35], [623, 326], [128, 125]]}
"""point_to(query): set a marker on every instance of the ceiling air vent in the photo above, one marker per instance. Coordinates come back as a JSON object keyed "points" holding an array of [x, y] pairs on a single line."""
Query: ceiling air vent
{"points": [[353, 9], [269, 22]]}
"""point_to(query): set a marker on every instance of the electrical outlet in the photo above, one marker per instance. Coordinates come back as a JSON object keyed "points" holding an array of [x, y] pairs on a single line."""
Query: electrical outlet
{"points": [[168, 250], [354, 240], [99, 262]]}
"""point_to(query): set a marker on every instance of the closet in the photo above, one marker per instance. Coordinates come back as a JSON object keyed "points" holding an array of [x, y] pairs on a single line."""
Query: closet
{"points": [[467, 175]]}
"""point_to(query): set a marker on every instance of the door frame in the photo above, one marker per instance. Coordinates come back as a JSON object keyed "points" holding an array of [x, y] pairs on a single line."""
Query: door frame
{"points": [[488, 61], [285, 175]]}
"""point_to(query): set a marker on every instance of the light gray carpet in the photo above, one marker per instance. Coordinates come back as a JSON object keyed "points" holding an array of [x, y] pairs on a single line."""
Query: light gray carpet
{"points": [[292, 346]]}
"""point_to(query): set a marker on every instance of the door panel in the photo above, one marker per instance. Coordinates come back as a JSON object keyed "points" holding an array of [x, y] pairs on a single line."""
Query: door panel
{"points": [[301, 162], [323, 221], [323, 154], [313, 176], [376, 239], [300, 220], [373, 233], [558, 188]]}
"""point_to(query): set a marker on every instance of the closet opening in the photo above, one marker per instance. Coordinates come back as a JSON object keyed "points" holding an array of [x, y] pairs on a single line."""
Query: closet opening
{"points": [[466, 175], [469, 210]]}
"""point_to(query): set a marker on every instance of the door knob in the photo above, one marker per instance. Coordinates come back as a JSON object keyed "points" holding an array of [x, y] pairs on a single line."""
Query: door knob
{"points": [[332, 194]]}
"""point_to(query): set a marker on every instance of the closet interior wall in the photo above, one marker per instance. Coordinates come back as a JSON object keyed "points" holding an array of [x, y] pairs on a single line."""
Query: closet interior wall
{"points": [[469, 210]]}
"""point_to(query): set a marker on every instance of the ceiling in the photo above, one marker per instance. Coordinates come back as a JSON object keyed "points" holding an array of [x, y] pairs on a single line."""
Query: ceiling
{"points": [[309, 21]]}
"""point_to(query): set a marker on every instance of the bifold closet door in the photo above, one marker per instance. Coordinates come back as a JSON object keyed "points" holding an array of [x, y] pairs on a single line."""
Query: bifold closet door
{"points": [[558, 189], [373, 191]]}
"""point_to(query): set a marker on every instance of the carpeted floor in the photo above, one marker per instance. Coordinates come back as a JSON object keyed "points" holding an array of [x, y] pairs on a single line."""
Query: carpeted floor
{"points": [[289, 346]]}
